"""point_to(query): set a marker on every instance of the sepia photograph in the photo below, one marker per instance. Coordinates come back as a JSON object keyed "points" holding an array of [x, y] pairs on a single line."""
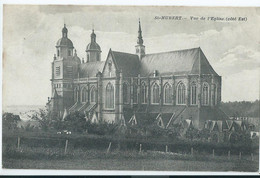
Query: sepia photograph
{"points": [[130, 88]]}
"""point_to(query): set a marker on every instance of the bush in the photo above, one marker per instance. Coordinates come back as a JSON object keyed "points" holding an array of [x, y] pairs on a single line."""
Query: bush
{"points": [[10, 121]]}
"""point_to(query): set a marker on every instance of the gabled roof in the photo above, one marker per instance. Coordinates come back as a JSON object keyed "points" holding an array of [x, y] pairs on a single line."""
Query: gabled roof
{"points": [[90, 69], [188, 61], [55, 94], [127, 63], [65, 114]]}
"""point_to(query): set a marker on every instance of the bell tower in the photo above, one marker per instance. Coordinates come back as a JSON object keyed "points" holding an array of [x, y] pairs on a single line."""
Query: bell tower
{"points": [[140, 48], [93, 49], [64, 69]]}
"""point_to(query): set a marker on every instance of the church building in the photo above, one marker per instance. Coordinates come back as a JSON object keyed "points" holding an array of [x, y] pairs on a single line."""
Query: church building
{"points": [[180, 85]]}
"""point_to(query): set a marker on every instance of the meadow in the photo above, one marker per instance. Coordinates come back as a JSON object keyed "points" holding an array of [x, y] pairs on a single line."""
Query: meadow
{"points": [[91, 152]]}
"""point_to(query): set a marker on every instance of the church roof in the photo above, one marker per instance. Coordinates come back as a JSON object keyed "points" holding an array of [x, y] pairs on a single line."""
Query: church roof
{"points": [[64, 41], [127, 63], [90, 69], [188, 61], [93, 46]]}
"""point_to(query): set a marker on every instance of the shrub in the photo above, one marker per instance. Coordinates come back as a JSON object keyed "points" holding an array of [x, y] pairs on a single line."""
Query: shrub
{"points": [[10, 121]]}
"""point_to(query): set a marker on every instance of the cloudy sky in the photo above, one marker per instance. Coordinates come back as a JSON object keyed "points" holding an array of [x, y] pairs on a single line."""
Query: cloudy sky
{"points": [[31, 32]]}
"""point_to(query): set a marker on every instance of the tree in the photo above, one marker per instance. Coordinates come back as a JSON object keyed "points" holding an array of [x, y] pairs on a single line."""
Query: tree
{"points": [[75, 122], [47, 120], [10, 120]]}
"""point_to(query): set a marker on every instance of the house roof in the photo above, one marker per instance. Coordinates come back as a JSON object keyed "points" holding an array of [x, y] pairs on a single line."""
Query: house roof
{"points": [[90, 69], [127, 63], [188, 61]]}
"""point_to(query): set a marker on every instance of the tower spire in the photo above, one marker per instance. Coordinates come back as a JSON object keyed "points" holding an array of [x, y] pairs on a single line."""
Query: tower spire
{"points": [[140, 37], [93, 36], [64, 31], [140, 48]]}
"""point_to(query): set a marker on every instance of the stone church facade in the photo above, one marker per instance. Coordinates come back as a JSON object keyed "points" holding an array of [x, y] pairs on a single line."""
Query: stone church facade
{"points": [[178, 85]]}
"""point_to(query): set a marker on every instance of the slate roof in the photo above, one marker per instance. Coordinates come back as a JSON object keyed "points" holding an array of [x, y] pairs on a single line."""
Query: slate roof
{"points": [[64, 41], [93, 46], [127, 63], [90, 69], [182, 62], [188, 61]]}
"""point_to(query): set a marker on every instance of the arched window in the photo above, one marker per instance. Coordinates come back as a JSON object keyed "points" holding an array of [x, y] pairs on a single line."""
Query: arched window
{"points": [[84, 95], [58, 52], [205, 94], [76, 95], [93, 92], [167, 93], [98, 57], [88, 57], [109, 103], [69, 52], [155, 94], [193, 94], [213, 94], [126, 93], [135, 93], [216, 95], [143, 93], [181, 94]]}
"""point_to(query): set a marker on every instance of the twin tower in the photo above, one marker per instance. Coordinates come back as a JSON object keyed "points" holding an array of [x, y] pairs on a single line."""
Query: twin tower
{"points": [[67, 67]]}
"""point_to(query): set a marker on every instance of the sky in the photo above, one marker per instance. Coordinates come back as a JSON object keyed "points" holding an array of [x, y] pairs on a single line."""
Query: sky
{"points": [[30, 33]]}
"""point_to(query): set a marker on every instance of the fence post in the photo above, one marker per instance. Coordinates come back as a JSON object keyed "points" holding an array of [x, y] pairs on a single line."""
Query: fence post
{"points": [[109, 146], [213, 153], [166, 148], [66, 146], [191, 151], [140, 149], [252, 157], [18, 143], [229, 155], [240, 155]]}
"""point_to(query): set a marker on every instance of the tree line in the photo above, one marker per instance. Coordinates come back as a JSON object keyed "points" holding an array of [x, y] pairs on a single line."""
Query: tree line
{"points": [[241, 108]]}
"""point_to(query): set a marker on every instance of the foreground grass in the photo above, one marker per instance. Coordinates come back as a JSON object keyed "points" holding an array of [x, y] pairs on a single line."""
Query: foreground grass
{"points": [[54, 158]]}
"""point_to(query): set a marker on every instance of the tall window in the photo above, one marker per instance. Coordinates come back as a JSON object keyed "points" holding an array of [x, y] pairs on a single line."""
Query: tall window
{"points": [[69, 52], [109, 103], [70, 71], [58, 71], [93, 94], [205, 94], [84, 95], [126, 93], [193, 94], [58, 52], [110, 68], [181, 94], [88, 57], [76, 95], [155, 94], [143, 93], [214, 94], [135, 93], [98, 57], [167, 94]]}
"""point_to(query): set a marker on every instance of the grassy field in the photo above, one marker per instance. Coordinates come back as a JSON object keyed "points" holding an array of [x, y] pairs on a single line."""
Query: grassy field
{"points": [[88, 152], [39, 158]]}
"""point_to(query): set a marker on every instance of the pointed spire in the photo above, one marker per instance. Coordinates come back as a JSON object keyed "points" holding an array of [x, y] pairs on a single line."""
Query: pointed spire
{"points": [[140, 38]]}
